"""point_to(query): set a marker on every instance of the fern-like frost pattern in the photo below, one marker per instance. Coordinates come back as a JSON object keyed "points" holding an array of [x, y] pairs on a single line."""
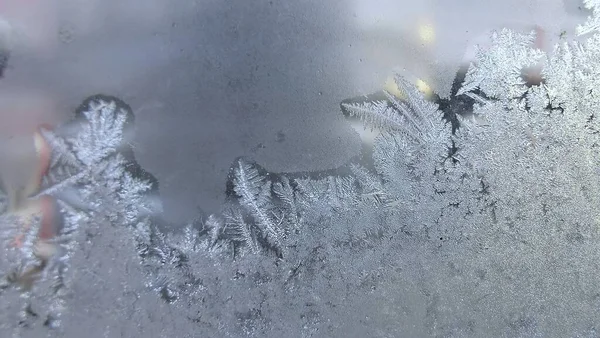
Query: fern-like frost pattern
{"points": [[475, 221]]}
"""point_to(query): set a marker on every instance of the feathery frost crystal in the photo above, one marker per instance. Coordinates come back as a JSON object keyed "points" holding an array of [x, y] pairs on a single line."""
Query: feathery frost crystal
{"points": [[478, 221]]}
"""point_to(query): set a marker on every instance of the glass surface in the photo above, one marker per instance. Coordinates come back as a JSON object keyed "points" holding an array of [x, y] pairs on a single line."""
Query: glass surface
{"points": [[298, 168]]}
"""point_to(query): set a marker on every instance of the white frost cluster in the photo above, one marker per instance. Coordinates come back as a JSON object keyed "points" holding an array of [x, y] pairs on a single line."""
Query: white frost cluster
{"points": [[487, 228]]}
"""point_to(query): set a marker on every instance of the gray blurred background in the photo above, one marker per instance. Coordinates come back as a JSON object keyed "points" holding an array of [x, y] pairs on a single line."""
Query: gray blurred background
{"points": [[213, 80]]}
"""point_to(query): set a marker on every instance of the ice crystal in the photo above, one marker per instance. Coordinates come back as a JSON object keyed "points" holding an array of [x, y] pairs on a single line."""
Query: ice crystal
{"points": [[473, 215]]}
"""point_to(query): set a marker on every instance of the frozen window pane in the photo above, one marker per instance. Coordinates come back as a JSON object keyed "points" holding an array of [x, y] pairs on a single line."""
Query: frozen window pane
{"points": [[220, 190]]}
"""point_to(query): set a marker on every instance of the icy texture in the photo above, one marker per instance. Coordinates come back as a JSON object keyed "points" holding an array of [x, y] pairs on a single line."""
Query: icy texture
{"points": [[93, 183], [472, 216]]}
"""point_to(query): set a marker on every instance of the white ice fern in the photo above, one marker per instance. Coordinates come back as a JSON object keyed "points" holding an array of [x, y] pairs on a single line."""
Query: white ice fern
{"points": [[497, 71], [89, 169], [102, 135]]}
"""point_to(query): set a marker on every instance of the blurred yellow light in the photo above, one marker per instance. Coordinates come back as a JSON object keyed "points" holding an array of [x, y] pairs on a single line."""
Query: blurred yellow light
{"points": [[391, 87], [426, 33], [424, 88]]}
